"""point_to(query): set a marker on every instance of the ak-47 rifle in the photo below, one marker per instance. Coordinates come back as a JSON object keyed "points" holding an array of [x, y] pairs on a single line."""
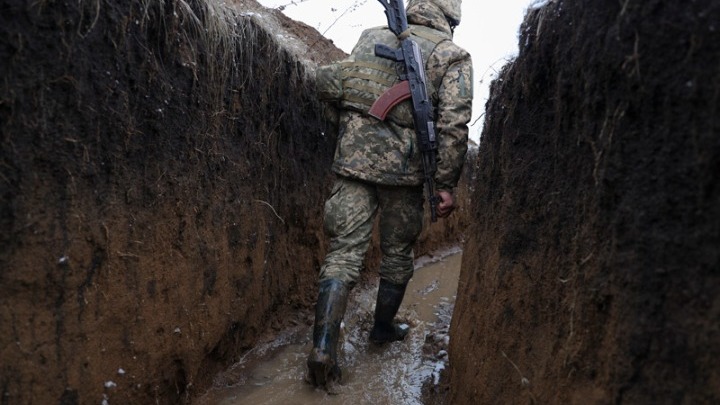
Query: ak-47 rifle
{"points": [[412, 85]]}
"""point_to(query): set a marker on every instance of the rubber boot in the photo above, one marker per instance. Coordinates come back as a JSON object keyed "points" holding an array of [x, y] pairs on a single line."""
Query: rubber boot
{"points": [[329, 310], [388, 302]]}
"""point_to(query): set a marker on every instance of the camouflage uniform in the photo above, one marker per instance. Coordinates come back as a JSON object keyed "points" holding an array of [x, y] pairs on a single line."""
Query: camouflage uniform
{"points": [[379, 169], [377, 162], [349, 216]]}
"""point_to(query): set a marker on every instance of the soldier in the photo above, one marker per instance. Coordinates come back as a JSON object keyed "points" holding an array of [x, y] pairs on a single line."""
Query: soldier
{"points": [[379, 171]]}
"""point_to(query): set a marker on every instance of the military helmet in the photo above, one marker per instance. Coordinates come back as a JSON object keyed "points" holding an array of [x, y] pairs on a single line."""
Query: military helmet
{"points": [[451, 8]]}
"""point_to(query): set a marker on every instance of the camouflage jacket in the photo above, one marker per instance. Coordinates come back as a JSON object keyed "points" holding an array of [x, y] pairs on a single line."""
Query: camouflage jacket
{"points": [[385, 152]]}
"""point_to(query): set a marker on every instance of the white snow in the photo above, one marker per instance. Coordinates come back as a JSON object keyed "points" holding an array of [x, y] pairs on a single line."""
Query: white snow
{"points": [[538, 4]]}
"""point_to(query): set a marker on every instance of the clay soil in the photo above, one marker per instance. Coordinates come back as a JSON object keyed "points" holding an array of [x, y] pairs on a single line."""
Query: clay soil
{"points": [[163, 171], [591, 272], [164, 164]]}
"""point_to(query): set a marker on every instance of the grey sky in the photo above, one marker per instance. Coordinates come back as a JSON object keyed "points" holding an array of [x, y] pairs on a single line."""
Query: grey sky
{"points": [[489, 31]]}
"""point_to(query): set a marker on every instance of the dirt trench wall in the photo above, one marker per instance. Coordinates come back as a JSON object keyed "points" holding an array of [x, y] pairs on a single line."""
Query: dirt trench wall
{"points": [[163, 165], [163, 170], [591, 272]]}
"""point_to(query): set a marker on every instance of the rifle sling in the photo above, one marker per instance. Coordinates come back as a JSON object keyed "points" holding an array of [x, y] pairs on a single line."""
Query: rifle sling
{"points": [[427, 33]]}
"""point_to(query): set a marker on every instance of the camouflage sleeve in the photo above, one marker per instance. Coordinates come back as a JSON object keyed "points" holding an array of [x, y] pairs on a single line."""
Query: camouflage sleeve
{"points": [[454, 112]]}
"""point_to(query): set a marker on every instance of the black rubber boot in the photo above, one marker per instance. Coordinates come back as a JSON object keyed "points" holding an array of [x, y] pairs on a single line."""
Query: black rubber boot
{"points": [[388, 302], [329, 310]]}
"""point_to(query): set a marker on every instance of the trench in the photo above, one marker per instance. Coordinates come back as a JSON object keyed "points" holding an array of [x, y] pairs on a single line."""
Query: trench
{"points": [[273, 372]]}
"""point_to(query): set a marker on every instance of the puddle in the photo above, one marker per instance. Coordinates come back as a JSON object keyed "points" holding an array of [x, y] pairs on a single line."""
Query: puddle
{"points": [[273, 373]]}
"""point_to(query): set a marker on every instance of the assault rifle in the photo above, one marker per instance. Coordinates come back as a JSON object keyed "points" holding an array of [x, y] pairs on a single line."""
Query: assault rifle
{"points": [[412, 85]]}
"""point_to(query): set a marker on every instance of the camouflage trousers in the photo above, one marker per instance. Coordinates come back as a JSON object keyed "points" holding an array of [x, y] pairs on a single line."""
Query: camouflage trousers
{"points": [[349, 217]]}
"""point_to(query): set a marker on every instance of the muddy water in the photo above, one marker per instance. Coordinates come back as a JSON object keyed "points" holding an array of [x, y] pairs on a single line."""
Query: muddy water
{"points": [[273, 373]]}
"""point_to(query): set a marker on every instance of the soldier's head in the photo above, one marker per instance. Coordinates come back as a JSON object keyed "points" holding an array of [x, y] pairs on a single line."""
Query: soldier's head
{"points": [[450, 8]]}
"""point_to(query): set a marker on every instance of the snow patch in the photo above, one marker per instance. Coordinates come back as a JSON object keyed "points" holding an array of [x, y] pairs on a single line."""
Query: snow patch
{"points": [[538, 4]]}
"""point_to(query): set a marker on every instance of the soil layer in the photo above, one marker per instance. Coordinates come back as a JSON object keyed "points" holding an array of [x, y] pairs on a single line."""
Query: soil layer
{"points": [[163, 171], [591, 272]]}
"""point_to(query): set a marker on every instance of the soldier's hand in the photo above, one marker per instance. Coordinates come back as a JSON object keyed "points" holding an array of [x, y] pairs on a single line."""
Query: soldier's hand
{"points": [[447, 205]]}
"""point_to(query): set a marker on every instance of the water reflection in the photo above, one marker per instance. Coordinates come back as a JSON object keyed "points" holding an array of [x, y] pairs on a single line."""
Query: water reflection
{"points": [[273, 373]]}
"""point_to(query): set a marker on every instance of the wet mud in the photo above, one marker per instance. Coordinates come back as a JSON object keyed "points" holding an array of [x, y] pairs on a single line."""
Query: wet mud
{"points": [[273, 373]]}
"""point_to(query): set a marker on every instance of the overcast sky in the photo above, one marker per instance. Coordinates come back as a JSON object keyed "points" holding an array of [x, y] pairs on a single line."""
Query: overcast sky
{"points": [[489, 31]]}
